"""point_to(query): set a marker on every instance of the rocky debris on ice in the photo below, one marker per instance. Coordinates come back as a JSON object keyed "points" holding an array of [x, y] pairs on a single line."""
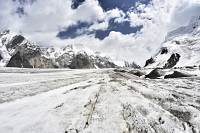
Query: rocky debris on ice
{"points": [[177, 74], [137, 72], [156, 73]]}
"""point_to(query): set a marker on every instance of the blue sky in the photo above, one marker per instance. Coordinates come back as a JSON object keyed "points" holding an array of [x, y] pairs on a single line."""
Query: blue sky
{"points": [[123, 29], [124, 5], [106, 5]]}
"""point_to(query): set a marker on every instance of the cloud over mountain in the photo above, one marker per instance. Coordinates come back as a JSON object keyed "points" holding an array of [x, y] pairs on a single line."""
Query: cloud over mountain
{"points": [[123, 29]]}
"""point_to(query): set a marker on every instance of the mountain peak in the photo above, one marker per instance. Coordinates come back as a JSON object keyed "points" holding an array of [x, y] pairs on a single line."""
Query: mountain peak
{"points": [[192, 29], [181, 47]]}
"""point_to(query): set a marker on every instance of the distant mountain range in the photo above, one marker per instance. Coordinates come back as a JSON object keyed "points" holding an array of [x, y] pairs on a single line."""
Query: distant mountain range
{"points": [[181, 48], [17, 51]]}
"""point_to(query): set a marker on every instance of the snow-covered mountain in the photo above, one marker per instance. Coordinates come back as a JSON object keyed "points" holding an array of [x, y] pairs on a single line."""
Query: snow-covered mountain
{"points": [[192, 29], [181, 48], [17, 51]]}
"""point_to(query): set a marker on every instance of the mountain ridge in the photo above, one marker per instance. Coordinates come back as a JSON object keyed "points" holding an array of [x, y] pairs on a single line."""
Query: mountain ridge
{"points": [[17, 51], [181, 48]]}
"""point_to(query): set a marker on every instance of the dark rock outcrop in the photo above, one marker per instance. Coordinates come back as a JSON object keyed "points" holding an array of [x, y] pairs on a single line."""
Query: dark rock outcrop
{"points": [[172, 61], [177, 74], [18, 39], [183, 116], [154, 74], [138, 73], [149, 61], [120, 70], [19, 61], [164, 50], [190, 67], [177, 42], [1, 57], [131, 65], [80, 61], [24, 54]]}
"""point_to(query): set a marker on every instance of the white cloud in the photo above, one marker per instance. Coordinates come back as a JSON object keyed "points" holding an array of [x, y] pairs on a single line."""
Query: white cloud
{"points": [[157, 19], [115, 13], [99, 26], [89, 11]]}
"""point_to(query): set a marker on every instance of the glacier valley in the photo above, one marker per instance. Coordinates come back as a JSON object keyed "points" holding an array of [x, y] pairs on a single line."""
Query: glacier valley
{"points": [[98, 101]]}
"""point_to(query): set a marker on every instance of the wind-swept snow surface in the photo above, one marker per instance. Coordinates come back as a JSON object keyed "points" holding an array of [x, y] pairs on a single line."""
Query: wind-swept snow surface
{"points": [[96, 101]]}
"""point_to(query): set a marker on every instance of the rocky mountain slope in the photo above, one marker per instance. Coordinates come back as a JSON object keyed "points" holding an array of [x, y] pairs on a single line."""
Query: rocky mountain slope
{"points": [[17, 51], [181, 48]]}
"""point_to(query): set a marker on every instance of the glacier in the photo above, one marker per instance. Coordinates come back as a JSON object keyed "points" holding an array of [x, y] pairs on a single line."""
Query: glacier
{"points": [[97, 100]]}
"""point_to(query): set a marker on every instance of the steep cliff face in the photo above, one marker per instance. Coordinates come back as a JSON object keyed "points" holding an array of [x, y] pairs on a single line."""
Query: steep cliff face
{"points": [[16, 51], [181, 48], [19, 60], [81, 60]]}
